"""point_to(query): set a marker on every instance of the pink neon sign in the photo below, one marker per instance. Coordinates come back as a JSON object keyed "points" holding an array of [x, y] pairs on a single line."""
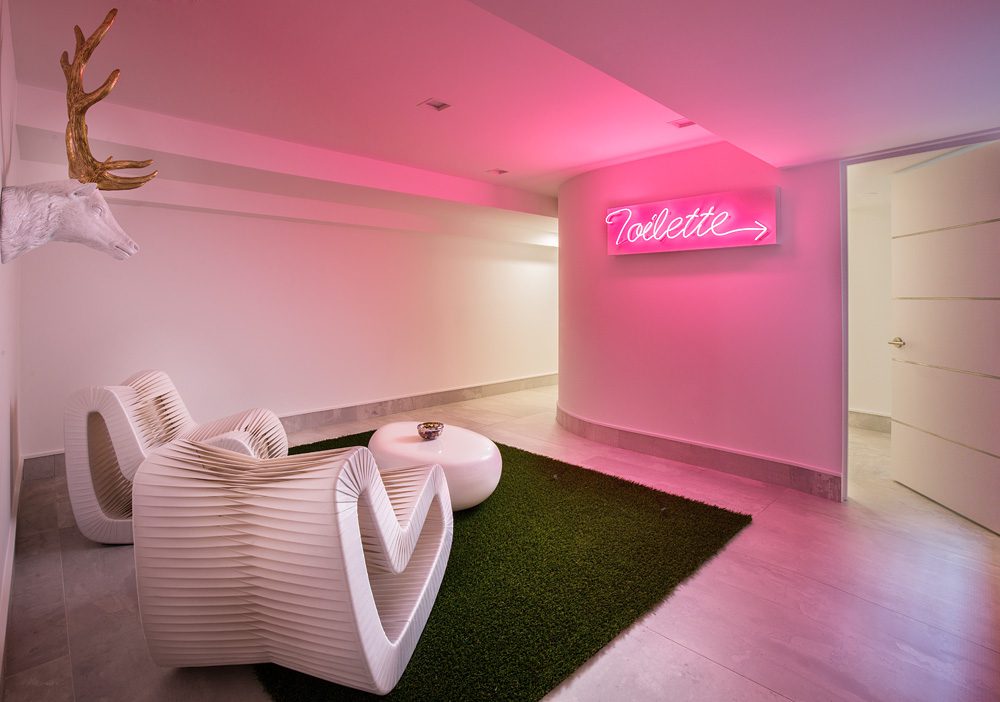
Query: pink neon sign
{"points": [[713, 221]]}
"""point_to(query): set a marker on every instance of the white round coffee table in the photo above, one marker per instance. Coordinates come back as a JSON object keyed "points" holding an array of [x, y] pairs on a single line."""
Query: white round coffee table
{"points": [[471, 462]]}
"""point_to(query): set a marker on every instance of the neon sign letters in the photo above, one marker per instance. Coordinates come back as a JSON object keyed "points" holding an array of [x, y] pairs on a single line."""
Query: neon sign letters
{"points": [[713, 221]]}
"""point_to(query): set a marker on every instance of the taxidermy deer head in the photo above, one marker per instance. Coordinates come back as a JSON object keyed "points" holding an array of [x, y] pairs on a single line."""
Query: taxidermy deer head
{"points": [[72, 210]]}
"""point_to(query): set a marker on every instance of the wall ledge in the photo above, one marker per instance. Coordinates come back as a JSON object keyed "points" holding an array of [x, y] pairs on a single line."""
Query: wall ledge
{"points": [[49, 464], [201, 185], [802, 478], [310, 420]]}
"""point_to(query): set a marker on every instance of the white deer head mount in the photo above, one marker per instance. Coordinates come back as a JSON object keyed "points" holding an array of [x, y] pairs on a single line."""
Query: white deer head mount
{"points": [[63, 210], [33, 215]]}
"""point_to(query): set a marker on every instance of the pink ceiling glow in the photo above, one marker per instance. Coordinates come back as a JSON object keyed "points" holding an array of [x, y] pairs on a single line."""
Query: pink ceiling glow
{"points": [[351, 76], [543, 90]]}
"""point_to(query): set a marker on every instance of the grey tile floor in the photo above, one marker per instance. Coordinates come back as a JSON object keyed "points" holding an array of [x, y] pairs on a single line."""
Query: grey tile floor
{"points": [[886, 597]]}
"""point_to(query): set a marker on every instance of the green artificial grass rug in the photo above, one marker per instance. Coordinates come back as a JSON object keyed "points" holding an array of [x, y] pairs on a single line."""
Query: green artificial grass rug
{"points": [[542, 575]]}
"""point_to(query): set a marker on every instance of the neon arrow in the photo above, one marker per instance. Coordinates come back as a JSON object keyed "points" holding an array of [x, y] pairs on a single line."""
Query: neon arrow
{"points": [[761, 230]]}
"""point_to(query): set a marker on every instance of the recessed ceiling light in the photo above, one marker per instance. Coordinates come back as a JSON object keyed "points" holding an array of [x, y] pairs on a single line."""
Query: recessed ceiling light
{"points": [[497, 171], [434, 104], [681, 123]]}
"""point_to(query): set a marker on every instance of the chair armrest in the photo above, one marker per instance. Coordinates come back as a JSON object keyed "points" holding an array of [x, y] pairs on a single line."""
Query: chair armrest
{"points": [[406, 493], [237, 441], [265, 435], [400, 484]]}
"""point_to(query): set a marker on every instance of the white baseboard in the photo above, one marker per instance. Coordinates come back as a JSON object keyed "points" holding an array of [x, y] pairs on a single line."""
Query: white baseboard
{"points": [[813, 481], [869, 420]]}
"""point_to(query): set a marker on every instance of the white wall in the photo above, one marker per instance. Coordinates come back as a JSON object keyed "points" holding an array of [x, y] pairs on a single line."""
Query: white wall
{"points": [[253, 311], [10, 455], [279, 275], [869, 311]]}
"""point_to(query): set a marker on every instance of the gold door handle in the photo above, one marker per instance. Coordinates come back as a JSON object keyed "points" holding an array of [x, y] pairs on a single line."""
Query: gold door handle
{"points": [[897, 342]]}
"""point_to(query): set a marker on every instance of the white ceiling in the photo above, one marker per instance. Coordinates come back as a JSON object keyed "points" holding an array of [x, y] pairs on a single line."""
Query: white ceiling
{"points": [[787, 80]]}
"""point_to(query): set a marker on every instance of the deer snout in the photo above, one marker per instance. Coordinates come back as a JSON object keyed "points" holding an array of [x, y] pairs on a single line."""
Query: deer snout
{"points": [[125, 249]]}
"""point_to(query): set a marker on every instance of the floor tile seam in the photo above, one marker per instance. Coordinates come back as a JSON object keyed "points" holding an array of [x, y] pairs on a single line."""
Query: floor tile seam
{"points": [[486, 424], [14, 597], [508, 417], [718, 663], [889, 488], [962, 684], [7, 678], [946, 509], [546, 445], [534, 413], [869, 601], [970, 564], [768, 506], [934, 550], [69, 645], [888, 529], [901, 533], [466, 405]]}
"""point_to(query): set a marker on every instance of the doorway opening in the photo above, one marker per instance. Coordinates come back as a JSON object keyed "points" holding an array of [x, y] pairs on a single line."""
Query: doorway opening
{"points": [[914, 260], [869, 313]]}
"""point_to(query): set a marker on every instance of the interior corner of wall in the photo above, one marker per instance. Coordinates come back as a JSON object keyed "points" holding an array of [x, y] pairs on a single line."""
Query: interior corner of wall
{"points": [[8, 95]]}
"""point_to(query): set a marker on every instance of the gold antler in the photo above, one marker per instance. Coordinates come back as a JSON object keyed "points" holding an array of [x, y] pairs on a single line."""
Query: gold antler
{"points": [[82, 164]]}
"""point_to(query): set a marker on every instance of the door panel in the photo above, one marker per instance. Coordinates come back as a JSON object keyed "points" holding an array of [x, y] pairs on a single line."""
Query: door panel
{"points": [[958, 406], [956, 189], [944, 471], [915, 271], [946, 307], [962, 334]]}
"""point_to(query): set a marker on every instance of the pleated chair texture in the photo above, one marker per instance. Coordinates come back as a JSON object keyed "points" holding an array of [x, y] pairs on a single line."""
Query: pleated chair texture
{"points": [[317, 562], [109, 430]]}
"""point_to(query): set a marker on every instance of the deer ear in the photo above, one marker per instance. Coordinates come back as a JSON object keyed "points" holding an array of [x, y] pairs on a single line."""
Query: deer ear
{"points": [[84, 189]]}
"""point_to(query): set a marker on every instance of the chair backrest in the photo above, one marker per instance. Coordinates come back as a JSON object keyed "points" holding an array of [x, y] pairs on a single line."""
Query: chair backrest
{"points": [[103, 450], [254, 432], [112, 489], [158, 411], [109, 430]]}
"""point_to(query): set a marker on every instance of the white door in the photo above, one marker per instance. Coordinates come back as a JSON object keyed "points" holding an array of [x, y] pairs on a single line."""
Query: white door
{"points": [[946, 312]]}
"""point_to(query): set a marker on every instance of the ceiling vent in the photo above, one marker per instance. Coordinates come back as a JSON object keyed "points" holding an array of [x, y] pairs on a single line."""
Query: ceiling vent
{"points": [[681, 123], [497, 171], [434, 104]]}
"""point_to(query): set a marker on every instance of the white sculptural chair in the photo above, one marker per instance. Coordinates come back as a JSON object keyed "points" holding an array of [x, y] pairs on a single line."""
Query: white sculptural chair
{"points": [[316, 562], [110, 430]]}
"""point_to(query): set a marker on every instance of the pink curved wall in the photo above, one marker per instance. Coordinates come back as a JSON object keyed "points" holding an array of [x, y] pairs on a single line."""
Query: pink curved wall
{"points": [[738, 349]]}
